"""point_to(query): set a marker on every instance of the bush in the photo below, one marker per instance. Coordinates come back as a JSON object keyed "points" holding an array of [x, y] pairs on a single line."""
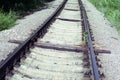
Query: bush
{"points": [[7, 20]]}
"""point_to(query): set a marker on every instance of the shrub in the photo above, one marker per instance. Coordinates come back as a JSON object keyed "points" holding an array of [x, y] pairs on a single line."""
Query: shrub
{"points": [[7, 20], [11, 7]]}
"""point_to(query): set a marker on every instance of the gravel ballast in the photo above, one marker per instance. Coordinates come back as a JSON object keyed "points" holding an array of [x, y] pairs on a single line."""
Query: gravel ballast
{"points": [[106, 37], [24, 28]]}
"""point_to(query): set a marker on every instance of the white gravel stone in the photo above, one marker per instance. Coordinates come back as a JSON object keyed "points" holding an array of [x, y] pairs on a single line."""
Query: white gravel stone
{"points": [[106, 37], [24, 28], [39, 73], [71, 6], [57, 54], [56, 59], [72, 1], [38, 66], [74, 15], [65, 33], [19, 77]]}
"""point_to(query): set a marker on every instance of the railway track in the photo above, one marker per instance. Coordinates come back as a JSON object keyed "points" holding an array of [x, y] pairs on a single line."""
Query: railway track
{"points": [[61, 49]]}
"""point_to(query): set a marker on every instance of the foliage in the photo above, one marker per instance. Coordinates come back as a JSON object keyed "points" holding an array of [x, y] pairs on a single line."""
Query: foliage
{"points": [[7, 19], [9, 9], [111, 9]]}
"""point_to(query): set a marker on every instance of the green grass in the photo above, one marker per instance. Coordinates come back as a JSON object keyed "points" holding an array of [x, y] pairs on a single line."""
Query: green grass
{"points": [[111, 9], [9, 14], [7, 20]]}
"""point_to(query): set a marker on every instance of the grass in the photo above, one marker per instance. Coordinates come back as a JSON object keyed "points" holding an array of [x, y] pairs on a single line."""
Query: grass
{"points": [[7, 20], [8, 17], [111, 9]]}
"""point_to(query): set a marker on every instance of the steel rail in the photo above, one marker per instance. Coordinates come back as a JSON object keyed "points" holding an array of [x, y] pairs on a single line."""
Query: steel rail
{"points": [[87, 29], [13, 58]]}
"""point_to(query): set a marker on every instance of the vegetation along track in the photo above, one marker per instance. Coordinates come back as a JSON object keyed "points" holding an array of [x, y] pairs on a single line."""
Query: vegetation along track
{"points": [[61, 49]]}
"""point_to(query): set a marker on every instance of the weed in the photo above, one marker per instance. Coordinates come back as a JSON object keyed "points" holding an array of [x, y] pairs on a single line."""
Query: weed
{"points": [[85, 37]]}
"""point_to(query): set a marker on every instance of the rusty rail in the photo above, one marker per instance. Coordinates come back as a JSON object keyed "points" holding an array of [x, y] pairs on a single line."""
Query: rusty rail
{"points": [[89, 40]]}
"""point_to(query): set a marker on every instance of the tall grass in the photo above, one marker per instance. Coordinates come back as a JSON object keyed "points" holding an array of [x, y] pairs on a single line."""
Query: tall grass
{"points": [[7, 20], [111, 9]]}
